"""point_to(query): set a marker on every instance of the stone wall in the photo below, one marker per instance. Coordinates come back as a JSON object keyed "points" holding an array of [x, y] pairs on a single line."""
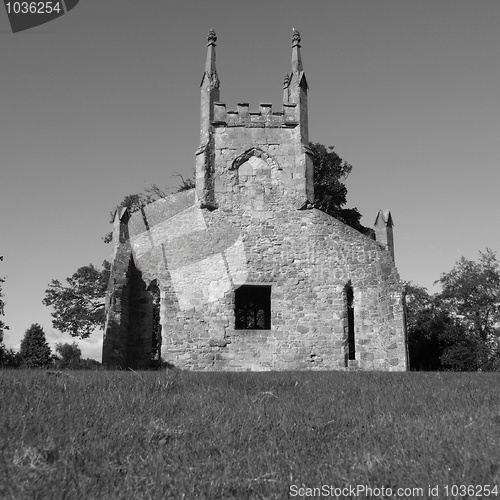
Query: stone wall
{"points": [[261, 168], [129, 312], [200, 257], [307, 258]]}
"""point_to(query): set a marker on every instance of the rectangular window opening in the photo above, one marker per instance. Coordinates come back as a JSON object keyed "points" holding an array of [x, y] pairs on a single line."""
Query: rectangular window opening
{"points": [[253, 307], [350, 323]]}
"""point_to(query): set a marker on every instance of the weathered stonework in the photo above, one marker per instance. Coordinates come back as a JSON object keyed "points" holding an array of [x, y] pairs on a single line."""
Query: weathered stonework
{"points": [[252, 277]]}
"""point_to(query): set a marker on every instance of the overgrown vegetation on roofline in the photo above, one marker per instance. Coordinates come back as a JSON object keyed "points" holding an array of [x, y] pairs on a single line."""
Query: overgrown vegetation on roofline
{"points": [[330, 174]]}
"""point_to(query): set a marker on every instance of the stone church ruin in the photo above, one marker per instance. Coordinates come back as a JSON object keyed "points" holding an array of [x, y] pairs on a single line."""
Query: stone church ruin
{"points": [[250, 275]]}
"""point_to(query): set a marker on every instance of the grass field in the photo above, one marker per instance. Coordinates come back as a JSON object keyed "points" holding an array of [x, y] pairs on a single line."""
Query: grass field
{"points": [[129, 435]]}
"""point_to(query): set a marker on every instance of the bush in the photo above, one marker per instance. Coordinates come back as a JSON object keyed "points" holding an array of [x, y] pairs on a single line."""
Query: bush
{"points": [[9, 358], [70, 356]]}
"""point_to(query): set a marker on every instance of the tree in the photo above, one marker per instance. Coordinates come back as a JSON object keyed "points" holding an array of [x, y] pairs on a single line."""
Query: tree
{"points": [[471, 293], [459, 328], [330, 192], [5, 354], [425, 326], [79, 306], [3, 326], [471, 290], [69, 355], [35, 352], [437, 339]]}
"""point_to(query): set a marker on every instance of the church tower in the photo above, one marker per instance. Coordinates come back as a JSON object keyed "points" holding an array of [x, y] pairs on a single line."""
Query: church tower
{"points": [[256, 160]]}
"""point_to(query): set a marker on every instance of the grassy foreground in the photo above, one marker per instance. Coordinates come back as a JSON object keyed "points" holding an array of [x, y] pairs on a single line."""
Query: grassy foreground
{"points": [[129, 435]]}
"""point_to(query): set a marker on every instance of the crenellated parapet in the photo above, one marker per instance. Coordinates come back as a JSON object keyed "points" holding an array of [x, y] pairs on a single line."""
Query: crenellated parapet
{"points": [[265, 117]]}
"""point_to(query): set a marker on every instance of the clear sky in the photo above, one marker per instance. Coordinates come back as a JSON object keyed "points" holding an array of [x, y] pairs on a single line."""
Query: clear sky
{"points": [[104, 101]]}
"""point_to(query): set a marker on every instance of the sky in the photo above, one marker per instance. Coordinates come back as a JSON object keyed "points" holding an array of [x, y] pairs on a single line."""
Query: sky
{"points": [[104, 101]]}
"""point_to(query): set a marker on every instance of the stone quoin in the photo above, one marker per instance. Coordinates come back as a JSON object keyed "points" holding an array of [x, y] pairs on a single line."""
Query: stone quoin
{"points": [[250, 275]]}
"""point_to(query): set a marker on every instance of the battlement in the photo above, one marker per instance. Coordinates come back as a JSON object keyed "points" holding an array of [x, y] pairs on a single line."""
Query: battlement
{"points": [[243, 117]]}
